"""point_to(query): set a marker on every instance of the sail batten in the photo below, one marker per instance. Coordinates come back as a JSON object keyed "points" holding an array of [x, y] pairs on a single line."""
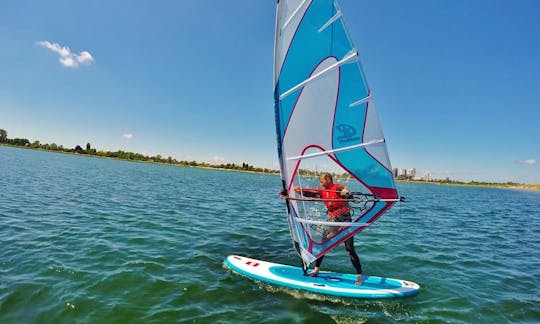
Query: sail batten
{"points": [[318, 78], [352, 147], [293, 15], [319, 74], [365, 200], [331, 21], [340, 224], [361, 101]]}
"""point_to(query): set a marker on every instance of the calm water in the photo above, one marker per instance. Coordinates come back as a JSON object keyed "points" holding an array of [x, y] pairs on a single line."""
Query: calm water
{"points": [[94, 240]]}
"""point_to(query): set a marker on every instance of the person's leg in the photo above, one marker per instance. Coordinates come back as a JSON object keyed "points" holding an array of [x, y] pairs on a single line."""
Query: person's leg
{"points": [[317, 266], [355, 260]]}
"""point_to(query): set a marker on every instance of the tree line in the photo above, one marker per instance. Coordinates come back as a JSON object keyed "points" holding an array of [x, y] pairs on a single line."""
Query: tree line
{"points": [[123, 155], [130, 156]]}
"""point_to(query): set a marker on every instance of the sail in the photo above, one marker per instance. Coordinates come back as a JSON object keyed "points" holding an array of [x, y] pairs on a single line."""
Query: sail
{"points": [[325, 121]]}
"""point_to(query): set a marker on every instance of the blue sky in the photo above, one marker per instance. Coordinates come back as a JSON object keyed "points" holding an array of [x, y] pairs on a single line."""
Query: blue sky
{"points": [[457, 82]]}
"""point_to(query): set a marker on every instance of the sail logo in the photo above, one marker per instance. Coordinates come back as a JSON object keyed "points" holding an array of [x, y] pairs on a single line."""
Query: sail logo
{"points": [[348, 134]]}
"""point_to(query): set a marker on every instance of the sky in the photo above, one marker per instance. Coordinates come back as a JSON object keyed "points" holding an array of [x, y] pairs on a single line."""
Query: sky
{"points": [[457, 82]]}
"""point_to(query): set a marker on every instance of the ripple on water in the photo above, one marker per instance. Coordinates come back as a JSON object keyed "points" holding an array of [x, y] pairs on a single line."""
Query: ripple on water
{"points": [[94, 240]]}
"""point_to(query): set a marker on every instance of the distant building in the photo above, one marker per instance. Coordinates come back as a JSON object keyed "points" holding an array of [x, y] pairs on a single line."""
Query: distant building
{"points": [[403, 174], [410, 174]]}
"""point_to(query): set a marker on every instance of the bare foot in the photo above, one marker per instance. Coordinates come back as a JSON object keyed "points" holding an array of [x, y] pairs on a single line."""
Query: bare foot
{"points": [[359, 280], [314, 273]]}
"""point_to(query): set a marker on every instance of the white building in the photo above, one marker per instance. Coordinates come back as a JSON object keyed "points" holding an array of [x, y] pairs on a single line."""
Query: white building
{"points": [[411, 173]]}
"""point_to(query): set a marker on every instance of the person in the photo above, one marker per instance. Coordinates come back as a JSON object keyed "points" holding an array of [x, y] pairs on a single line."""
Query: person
{"points": [[338, 211]]}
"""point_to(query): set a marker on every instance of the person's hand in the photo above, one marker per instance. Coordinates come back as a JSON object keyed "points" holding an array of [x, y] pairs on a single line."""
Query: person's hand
{"points": [[344, 191], [296, 189]]}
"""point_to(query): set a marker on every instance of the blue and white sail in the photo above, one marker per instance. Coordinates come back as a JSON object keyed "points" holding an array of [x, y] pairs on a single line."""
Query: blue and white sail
{"points": [[326, 121]]}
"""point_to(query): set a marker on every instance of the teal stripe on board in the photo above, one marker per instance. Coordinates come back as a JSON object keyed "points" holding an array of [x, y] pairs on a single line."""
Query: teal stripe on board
{"points": [[94, 240]]}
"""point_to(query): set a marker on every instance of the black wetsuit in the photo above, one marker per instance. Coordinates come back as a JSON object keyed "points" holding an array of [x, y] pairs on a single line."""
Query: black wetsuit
{"points": [[349, 247], [349, 243]]}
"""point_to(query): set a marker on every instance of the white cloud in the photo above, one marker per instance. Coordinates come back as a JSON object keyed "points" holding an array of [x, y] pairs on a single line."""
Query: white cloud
{"points": [[127, 136], [67, 58], [528, 161], [85, 58]]}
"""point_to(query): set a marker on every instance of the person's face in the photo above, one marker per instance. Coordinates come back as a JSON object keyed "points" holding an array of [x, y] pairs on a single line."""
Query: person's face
{"points": [[324, 182]]}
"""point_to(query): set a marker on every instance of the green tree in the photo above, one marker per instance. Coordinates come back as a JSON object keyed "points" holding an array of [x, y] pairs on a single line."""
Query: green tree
{"points": [[20, 142], [3, 135]]}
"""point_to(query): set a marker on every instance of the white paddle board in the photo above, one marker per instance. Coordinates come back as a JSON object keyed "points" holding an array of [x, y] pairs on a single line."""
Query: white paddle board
{"points": [[329, 283]]}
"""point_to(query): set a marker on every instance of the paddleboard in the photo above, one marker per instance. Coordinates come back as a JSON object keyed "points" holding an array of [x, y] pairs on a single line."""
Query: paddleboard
{"points": [[329, 283]]}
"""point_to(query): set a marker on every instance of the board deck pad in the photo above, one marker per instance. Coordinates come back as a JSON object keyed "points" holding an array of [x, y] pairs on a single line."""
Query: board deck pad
{"points": [[326, 282]]}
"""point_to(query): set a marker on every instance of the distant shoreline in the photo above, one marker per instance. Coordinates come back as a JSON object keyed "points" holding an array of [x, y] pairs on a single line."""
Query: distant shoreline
{"points": [[232, 166], [514, 186], [250, 169], [136, 157]]}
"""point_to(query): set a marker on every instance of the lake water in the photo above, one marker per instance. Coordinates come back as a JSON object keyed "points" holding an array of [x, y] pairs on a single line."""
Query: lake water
{"points": [[86, 239]]}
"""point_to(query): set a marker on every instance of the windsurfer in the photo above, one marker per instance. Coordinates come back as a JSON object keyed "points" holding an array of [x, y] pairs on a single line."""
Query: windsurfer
{"points": [[338, 211]]}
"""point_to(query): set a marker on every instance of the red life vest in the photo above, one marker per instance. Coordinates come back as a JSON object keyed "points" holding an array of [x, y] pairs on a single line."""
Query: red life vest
{"points": [[335, 208]]}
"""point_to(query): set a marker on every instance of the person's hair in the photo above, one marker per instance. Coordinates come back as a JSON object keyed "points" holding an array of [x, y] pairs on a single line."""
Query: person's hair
{"points": [[327, 175]]}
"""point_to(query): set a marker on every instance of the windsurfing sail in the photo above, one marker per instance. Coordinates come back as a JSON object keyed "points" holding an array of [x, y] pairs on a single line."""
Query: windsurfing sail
{"points": [[325, 121]]}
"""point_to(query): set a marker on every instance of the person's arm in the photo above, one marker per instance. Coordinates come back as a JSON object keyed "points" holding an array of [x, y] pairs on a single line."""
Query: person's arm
{"points": [[308, 192]]}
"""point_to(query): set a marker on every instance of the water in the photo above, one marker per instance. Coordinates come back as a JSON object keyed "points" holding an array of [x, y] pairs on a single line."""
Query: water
{"points": [[85, 239]]}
